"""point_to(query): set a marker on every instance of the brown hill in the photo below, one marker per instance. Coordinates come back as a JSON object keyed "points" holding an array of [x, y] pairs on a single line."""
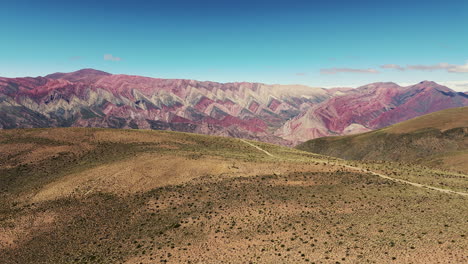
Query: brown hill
{"points": [[81, 195]]}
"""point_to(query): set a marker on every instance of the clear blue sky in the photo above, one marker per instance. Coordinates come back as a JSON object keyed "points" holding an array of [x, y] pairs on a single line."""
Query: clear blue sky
{"points": [[318, 43]]}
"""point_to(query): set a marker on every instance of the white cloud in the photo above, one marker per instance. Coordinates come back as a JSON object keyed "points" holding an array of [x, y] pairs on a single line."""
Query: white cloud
{"points": [[442, 66], [76, 58], [349, 70], [459, 86], [109, 57], [393, 66], [439, 66], [452, 68], [459, 68]]}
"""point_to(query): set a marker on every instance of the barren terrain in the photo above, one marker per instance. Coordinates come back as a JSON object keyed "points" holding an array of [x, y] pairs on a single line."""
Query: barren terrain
{"points": [[80, 195]]}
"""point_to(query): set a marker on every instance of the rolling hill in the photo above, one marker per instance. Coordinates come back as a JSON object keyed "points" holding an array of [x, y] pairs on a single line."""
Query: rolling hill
{"points": [[439, 140], [87, 195]]}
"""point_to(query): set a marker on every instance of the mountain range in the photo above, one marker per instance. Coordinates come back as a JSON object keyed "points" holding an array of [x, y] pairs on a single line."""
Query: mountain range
{"points": [[101, 195], [282, 114]]}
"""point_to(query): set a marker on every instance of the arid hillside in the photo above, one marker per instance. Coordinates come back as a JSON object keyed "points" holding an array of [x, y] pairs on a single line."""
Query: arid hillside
{"points": [[86, 195], [438, 140]]}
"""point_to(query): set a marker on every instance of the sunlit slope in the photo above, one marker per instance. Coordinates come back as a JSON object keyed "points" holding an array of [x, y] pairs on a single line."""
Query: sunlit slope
{"points": [[439, 140], [441, 120], [45, 164], [78, 195]]}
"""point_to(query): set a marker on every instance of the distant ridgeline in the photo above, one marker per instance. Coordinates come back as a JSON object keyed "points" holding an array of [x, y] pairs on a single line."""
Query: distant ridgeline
{"points": [[281, 114]]}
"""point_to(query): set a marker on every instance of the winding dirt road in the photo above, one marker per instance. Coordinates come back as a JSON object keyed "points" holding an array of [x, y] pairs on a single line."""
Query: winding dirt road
{"points": [[377, 174], [257, 147], [407, 182]]}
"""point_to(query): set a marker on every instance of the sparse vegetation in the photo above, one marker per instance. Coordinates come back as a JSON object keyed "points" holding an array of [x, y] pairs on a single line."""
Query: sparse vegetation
{"points": [[79, 195]]}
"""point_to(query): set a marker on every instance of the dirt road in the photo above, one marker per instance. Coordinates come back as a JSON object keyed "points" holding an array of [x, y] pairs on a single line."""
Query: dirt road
{"points": [[377, 174]]}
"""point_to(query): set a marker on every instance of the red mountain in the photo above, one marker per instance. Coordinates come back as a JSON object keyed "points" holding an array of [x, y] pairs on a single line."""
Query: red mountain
{"points": [[370, 107], [283, 114], [84, 75], [98, 99]]}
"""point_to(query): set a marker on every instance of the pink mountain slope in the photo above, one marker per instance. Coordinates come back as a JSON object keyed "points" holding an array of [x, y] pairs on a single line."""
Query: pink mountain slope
{"points": [[98, 99], [84, 75], [370, 107], [283, 114]]}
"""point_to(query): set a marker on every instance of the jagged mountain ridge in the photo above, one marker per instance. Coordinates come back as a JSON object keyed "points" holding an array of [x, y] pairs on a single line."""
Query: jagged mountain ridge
{"points": [[98, 99], [370, 107], [282, 114]]}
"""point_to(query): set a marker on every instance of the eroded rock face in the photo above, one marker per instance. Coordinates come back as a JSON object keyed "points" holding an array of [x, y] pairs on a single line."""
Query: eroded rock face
{"points": [[98, 99], [370, 107], [282, 114]]}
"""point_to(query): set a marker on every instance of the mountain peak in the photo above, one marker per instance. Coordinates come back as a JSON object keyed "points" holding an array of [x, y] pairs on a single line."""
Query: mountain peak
{"points": [[430, 85], [91, 71], [426, 82], [378, 85], [86, 75]]}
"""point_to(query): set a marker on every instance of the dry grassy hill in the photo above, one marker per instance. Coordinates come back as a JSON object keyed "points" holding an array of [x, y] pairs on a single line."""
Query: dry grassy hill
{"points": [[438, 140], [79, 195]]}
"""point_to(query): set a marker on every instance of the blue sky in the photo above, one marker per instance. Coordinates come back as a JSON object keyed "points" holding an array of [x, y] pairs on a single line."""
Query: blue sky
{"points": [[317, 43]]}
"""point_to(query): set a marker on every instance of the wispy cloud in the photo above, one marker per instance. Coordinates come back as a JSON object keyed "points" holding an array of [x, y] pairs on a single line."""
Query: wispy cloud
{"points": [[439, 66], [459, 86], [109, 57], [76, 58], [459, 68], [349, 70], [392, 66], [421, 67], [301, 74]]}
